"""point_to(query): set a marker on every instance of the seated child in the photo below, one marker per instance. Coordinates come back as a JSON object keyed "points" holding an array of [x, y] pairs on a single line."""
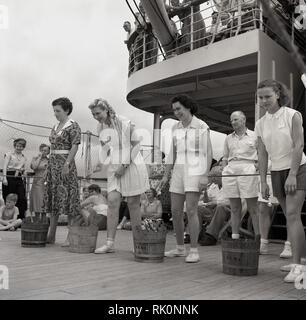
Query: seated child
{"points": [[85, 193], [94, 208], [9, 213]]}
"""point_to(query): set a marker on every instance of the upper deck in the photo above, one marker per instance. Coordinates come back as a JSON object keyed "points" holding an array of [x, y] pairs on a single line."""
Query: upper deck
{"points": [[223, 73]]}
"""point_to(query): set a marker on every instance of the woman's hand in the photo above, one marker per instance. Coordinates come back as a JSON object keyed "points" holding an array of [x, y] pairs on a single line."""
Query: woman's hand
{"points": [[120, 171], [290, 184], [203, 183], [265, 190], [5, 181]]}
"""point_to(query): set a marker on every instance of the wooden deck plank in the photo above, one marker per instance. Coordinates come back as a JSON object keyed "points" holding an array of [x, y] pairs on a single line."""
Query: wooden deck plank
{"points": [[55, 273]]}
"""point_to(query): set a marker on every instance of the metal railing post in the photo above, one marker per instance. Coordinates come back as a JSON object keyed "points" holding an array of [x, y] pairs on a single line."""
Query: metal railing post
{"points": [[260, 17], [239, 18], [144, 50], [191, 28]]}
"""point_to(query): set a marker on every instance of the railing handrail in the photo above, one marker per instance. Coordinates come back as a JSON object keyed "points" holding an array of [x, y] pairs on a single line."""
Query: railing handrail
{"points": [[237, 20]]}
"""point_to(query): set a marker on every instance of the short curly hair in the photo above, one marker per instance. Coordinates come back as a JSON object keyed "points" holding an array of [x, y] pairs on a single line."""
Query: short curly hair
{"points": [[43, 145], [187, 102], [279, 88], [20, 141], [65, 103], [94, 187]]}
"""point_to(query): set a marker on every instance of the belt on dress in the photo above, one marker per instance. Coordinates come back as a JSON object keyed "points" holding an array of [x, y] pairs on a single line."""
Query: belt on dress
{"points": [[15, 173], [241, 160], [60, 151]]}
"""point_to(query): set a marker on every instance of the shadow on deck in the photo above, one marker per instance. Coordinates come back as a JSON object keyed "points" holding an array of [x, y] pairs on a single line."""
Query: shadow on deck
{"points": [[54, 273]]}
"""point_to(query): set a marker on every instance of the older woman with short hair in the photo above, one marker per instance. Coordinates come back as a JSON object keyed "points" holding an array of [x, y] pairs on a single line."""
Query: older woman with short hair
{"points": [[151, 207]]}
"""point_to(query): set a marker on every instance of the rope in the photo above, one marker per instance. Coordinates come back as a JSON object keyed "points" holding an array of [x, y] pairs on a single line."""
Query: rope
{"points": [[30, 133], [210, 176], [36, 126], [25, 124]]}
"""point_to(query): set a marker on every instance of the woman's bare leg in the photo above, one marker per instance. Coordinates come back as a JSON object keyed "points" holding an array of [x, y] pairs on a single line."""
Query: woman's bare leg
{"points": [[52, 229], [294, 204], [192, 199], [177, 209]]}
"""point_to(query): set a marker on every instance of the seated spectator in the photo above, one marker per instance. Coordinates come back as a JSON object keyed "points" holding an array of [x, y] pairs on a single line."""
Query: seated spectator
{"points": [[124, 216], [209, 199], [9, 213], [213, 196], [151, 207], [215, 206], [94, 208], [222, 214]]}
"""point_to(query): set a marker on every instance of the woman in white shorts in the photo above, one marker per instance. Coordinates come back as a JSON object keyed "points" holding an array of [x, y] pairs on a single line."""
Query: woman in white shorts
{"points": [[190, 158], [126, 173]]}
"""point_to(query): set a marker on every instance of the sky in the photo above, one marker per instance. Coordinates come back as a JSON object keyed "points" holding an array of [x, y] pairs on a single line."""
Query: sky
{"points": [[71, 48]]}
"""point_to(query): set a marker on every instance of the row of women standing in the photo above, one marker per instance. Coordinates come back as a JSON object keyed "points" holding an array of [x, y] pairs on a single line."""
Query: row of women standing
{"points": [[187, 164]]}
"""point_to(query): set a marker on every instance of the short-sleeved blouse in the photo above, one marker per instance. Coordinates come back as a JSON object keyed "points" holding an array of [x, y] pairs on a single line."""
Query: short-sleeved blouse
{"points": [[15, 163], [69, 135]]}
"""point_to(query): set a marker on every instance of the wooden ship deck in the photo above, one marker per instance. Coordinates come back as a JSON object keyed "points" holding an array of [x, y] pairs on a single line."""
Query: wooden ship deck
{"points": [[53, 273]]}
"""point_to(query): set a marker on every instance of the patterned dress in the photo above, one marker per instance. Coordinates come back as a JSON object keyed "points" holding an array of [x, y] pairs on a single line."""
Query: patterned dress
{"points": [[62, 193]]}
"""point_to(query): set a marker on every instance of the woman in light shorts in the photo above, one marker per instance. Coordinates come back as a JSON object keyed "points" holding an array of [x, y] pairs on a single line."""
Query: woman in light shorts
{"points": [[190, 158], [281, 138], [127, 174]]}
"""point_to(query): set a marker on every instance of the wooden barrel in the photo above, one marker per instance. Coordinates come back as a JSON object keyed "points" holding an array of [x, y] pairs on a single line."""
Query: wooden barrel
{"points": [[34, 234], [240, 257], [149, 246], [82, 239]]}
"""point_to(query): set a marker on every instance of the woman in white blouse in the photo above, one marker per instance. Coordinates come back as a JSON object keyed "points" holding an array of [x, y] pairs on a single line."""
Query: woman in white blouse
{"points": [[13, 169], [281, 138]]}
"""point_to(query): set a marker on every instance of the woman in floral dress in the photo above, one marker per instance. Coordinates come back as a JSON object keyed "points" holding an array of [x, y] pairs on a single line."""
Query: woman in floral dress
{"points": [[62, 192]]}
